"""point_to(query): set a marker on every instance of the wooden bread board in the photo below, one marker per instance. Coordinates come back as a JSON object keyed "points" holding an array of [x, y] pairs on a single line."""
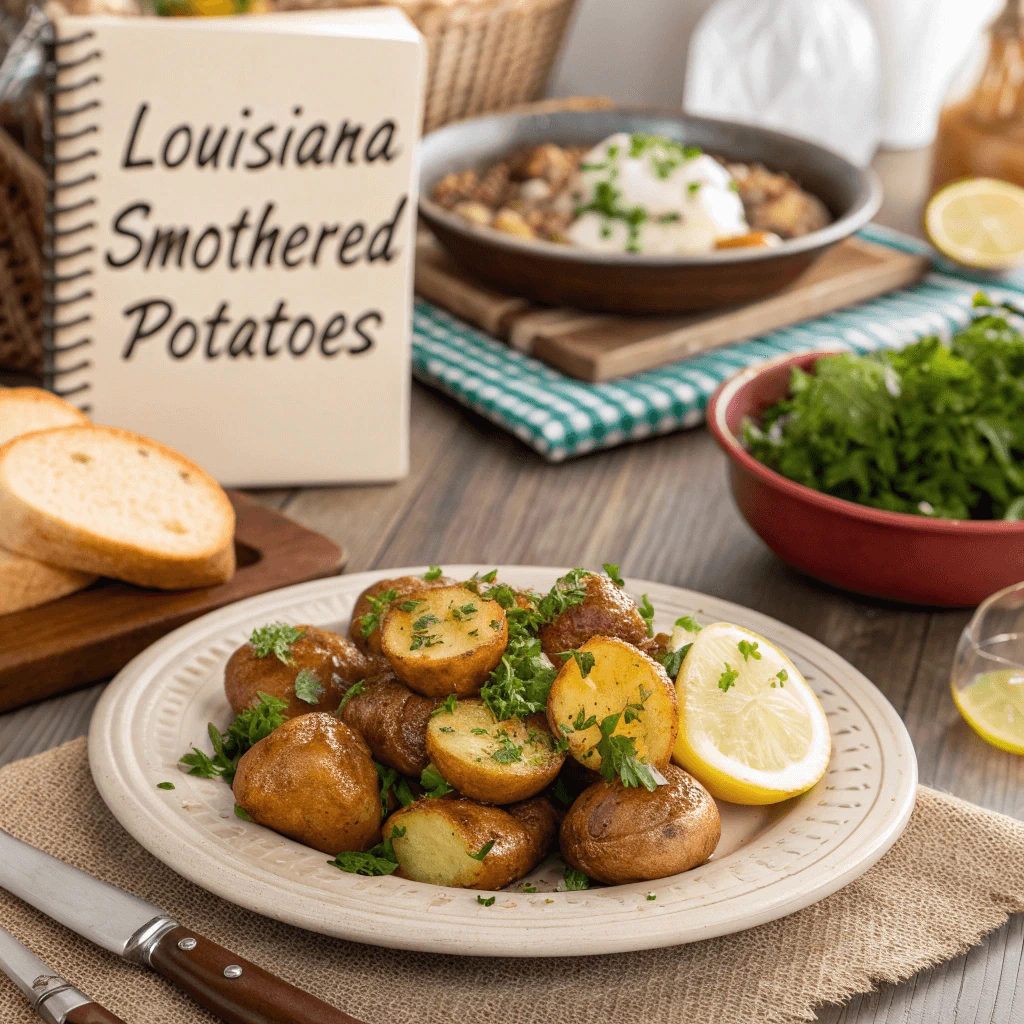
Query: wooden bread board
{"points": [[90, 635], [599, 347]]}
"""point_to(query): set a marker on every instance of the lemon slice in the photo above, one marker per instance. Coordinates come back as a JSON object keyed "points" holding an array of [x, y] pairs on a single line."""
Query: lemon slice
{"points": [[751, 729], [993, 706], [978, 222]]}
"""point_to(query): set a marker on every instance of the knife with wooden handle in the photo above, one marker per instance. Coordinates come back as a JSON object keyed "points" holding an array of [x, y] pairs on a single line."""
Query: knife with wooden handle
{"points": [[54, 999], [229, 986]]}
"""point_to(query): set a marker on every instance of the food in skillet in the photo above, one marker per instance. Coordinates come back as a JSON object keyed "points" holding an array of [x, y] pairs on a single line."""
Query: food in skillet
{"points": [[634, 193], [498, 722], [933, 430]]}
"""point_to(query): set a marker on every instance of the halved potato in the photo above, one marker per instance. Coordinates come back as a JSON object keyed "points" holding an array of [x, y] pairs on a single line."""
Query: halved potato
{"points": [[485, 759], [444, 641], [445, 842], [624, 681], [619, 835], [372, 604]]}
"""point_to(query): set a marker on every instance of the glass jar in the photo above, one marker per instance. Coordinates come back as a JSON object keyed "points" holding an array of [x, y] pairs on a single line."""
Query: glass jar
{"points": [[981, 134]]}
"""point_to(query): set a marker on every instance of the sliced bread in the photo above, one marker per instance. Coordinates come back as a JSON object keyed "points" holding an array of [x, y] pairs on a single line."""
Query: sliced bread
{"points": [[23, 410], [106, 501], [26, 582]]}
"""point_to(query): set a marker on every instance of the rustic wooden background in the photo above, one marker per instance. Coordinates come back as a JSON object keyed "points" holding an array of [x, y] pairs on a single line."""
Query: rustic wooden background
{"points": [[663, 510]]}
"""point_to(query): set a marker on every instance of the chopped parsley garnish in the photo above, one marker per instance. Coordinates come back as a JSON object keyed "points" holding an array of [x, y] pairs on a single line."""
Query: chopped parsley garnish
{"points": [[447, 706], [248, 728], [727, 678], [689, 623], [584, 660], [276, 638], [353, 691], [557, 791], [433, 783], [463, 613], [495, 625], [693, 188], [575, 880], [619, 758], [420, 637], [930, 430], [479, 732], [483, 851], [474, 581], [241, 812], [379, 605], [507, 752], [646, 610], [672, 661], [489, 902], [528, 888], [408, 606], [582, 722], [749, 650], [519, 686], [308, 687], [433, 573], [652, 896], [782, 675], [378, 860], [392, 782], [612, 572], [165, 785]]}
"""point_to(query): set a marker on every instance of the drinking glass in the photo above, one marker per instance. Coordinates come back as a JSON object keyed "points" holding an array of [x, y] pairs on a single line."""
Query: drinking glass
{"points": [[988, 670]]}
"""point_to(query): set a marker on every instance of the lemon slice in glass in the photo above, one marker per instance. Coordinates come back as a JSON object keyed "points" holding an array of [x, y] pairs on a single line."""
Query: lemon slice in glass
{"points": [[993, 706], [978, 222], [751, 729]]}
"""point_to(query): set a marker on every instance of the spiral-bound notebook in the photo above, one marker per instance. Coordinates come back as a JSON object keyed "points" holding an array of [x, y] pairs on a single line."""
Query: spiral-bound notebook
{"points": [[230, 231]]}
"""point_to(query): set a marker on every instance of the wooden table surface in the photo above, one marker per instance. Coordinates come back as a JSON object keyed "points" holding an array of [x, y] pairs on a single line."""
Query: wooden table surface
{"points": [[662, 509]]}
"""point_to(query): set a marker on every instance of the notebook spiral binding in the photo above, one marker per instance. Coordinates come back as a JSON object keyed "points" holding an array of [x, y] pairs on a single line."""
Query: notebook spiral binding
{"points": [[70, 83]]}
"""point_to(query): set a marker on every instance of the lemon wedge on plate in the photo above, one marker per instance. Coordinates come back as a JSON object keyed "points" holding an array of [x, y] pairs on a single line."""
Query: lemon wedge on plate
{"points": [[993, 706], [751, 729], [978, 222]]}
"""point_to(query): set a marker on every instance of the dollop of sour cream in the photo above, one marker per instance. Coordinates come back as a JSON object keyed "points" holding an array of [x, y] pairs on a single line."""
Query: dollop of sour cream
{"points": [[648, 194]]}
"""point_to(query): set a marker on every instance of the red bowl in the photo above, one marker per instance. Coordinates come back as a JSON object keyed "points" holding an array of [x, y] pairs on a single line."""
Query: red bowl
{"points": [[948, 562]]}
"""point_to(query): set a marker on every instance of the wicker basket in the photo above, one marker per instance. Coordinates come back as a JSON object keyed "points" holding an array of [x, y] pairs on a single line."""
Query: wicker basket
{"points": [[484, 55]]}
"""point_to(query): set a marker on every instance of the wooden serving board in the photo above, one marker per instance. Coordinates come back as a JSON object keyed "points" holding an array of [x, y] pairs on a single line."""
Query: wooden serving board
{"points": [[93, 634], [599, 347]]}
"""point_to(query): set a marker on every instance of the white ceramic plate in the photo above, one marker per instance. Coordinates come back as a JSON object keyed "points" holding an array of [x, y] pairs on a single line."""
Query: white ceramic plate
{"points": [[770, 862]]}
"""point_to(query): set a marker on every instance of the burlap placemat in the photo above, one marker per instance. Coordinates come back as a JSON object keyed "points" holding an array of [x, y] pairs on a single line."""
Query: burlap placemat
{"points": [[955, 875]]}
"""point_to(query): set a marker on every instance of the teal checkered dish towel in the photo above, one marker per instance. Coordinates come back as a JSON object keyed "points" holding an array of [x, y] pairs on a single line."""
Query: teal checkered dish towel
{"points": [[561, 417]]}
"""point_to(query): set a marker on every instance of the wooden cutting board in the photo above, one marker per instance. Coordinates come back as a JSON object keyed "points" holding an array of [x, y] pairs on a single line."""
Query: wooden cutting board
{"points": [[93, 634], [599, 347]]}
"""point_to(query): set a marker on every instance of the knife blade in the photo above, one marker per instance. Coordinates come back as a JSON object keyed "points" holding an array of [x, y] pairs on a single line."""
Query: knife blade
{"points": [[54, 999], [228, 985]]}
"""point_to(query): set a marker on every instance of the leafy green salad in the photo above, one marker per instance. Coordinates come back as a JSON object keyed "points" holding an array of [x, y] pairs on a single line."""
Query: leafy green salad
{"points": [[932, 430]]}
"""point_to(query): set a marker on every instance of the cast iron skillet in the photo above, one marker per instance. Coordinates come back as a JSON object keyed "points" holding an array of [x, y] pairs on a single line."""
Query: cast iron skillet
{"points": [[630, 283]]}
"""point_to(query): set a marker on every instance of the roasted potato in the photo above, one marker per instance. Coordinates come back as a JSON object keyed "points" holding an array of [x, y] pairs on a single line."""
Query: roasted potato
{"points": [[619, 835], [313, 780], [485, 759], [373, 602], [444, 641], [606, 611], [330, 664], [445, 842], [622, 680], [393, 721]]}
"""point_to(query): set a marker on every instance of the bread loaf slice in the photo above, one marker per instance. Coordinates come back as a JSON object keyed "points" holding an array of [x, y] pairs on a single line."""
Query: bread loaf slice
{"points": [[25, 582], [23, 410], [102, 500]]}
